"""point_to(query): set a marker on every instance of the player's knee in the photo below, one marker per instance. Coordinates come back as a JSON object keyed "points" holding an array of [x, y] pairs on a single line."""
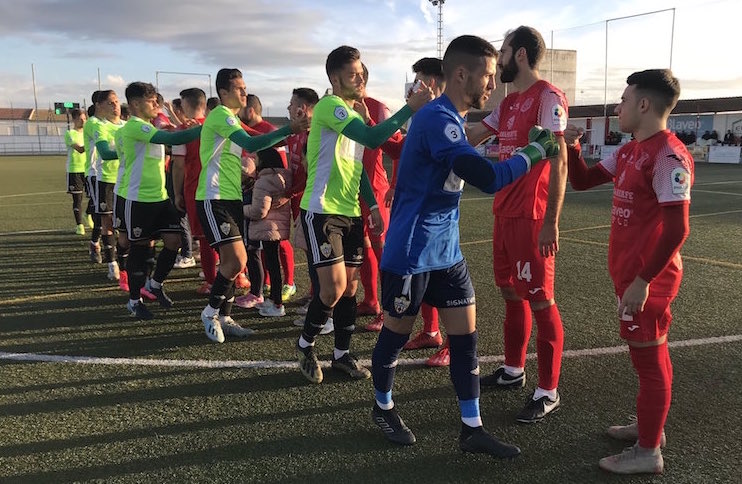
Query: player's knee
{"points": [[539, 305], [509, 293]]}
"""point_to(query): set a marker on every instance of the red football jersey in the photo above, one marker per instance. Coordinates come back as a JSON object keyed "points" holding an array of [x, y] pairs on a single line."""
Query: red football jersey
{"points": [[541, 104], [192, 164], [657, 171], [265, 127], [297, 147], [373, 159]]}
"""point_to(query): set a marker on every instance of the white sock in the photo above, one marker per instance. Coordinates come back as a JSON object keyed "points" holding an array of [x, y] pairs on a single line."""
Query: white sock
{"points": [[134, 302], [210, 312], [431, 334], [514, 370], [472, 421], [304, 343], [540, 392], [385, 406], [337, 354], [154, 284]]}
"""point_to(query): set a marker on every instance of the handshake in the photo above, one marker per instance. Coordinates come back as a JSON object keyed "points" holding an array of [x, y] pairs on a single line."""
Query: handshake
{"points": [[542, 144]]}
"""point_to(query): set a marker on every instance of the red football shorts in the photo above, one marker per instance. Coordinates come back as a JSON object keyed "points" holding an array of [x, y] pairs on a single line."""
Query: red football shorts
{"points": [[190, 202], [376, 241], [650, 324], [516, 259]]}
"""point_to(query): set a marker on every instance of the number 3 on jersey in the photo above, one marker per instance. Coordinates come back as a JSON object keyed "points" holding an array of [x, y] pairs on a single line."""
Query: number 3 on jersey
{"points": [[524, 272]]}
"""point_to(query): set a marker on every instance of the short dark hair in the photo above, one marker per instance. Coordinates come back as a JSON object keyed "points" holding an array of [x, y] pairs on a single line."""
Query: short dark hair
{"points": [[212, 102], [194, 96], [429, 66], [94, 97], [224, 78], [177, 103], [91, 110], [269, 158], [139, 90], [125, 111], [365, 73], [102, 95], [339, 57], [530, 39], [658, 84], [466, 50], [306, 94], [253, 102], [75, 113]]}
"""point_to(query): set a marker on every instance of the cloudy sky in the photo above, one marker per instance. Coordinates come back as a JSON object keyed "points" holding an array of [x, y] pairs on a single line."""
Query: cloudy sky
{"points": [[282, 44]]}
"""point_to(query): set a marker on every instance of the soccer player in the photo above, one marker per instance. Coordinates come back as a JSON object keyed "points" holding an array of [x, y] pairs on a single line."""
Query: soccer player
{"points": [[219, 191], [422, 260], [373, 112], [330, 210], [75, 142], [149, 212], [108, 110], [92, 161], [652, 177], [186, 169], [526, 230]]}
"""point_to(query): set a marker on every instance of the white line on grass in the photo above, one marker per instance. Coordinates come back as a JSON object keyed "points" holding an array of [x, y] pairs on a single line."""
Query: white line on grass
{"points": [[272, 364], [30, 194], [43, 231]]}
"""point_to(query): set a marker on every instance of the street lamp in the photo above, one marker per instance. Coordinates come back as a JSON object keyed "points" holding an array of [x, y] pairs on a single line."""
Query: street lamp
{"points": [[439, 4]]}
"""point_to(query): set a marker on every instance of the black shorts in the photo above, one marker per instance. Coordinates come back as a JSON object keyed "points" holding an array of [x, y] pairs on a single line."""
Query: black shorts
{"points": [[444, 288], [221, 220], [91, 185], [119, 209], [333, 238], [104, 200], [75, 182], [146, 220]]}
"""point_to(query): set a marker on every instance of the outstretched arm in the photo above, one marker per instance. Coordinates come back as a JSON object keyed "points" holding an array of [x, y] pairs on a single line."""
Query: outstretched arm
{"points": [[180, 137], [374, 136]]}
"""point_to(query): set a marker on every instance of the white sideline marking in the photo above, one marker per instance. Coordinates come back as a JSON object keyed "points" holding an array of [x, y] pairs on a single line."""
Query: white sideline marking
{"points": [[43, 231], [31, 194], [271, 364]]}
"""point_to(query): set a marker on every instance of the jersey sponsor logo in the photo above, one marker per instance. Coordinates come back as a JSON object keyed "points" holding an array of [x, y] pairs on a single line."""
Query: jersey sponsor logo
{"points": [[231, 121], [401, 304], [453, 183], [146, 128], [137, 231], [453, 132], [621, 178], [559, 116], [680, 181], [341, 113], [325, 249], [224, 227], [526, 105]]}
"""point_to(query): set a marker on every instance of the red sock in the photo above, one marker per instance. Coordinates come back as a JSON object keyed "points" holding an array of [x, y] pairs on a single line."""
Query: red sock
{"points": [[549, 346], [653, 366], [430, 318], [369, 277], [517, 327], [208, 261], [286, 254]]}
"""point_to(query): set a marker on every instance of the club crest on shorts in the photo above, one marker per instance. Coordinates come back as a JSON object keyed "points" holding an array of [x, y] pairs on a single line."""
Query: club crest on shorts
{"points": [[401, 304], [117, 223], [102, 205], [224, 227], [137, 231], [326, 249], [72, 187]]}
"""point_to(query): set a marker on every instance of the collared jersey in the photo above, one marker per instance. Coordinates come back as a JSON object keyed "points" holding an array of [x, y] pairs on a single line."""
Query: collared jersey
{"points": [[647, 175], [107, 169], [423, 230], [92, 159], [334, 161], [221, 166], [143, 176], [541, 104], [75, 160]]}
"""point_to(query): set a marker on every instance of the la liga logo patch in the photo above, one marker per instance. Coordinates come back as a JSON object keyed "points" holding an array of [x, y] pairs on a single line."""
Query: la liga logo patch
{"points": [[680, 179]]}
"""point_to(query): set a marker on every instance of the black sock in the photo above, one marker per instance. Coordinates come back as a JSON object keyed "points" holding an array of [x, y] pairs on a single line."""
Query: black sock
{"points": [[226, 309], [317, 315], [344, 319], [218, 290], [122, 256], [95, 234], [108, 248], [165, 262], [137, 264]]}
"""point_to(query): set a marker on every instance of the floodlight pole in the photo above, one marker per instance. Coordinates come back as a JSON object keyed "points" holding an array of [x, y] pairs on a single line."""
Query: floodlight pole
{"points": [[35, 104], [439, 4]]}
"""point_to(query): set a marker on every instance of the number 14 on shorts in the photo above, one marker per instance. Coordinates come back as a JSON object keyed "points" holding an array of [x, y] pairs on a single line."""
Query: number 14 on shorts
{"points": [[524, 270]]}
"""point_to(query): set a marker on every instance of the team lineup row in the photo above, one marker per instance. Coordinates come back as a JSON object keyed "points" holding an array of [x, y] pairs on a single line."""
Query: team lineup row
{"points": [[243, 183]]}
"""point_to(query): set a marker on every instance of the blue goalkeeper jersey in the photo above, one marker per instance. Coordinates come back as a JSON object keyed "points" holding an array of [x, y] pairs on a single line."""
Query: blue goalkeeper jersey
{"points": [[423, 230]]}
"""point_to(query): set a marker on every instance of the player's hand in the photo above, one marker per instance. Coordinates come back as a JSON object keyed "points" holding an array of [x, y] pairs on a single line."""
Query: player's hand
{"points": [[420, 97], [543, 144], [634, 297], [180, 202], [389, 198], [361, 108], [572, 135], [300, 123], [548, 239], [375, 222]]}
